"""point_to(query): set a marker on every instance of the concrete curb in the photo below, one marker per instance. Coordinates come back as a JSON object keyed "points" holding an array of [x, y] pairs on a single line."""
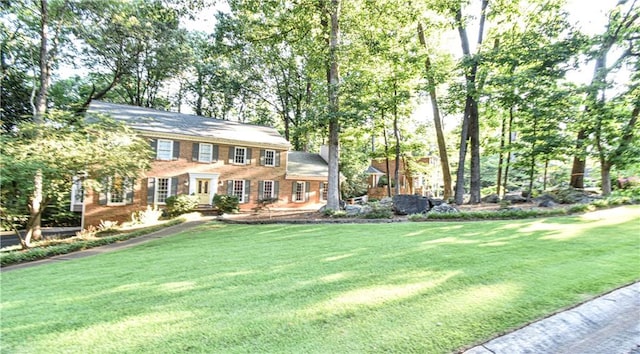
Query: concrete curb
{"points": [[607, 324]]}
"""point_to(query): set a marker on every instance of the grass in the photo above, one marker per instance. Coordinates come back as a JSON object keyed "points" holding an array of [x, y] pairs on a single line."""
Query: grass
{"points": [[401, 287]]}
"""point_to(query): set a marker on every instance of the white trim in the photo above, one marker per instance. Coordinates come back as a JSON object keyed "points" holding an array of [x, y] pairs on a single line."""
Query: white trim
{"points": [[235, 155], [156, 189], [76, 188], [158, 157], [273, 160], [273, 189], [200, 146], [125, 189], [219, 141], [213, 182], [295, 192], [244, 188]]}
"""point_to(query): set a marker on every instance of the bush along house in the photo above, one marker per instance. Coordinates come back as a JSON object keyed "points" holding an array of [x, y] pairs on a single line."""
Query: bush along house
{"points": [[204, 156]]}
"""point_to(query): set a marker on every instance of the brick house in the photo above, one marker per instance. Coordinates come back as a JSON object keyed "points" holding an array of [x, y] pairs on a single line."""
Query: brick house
{"points": [[204, 157]]}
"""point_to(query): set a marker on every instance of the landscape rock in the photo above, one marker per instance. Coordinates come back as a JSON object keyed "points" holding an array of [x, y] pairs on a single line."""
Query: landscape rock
{"points": [[386, 202], [353, 209], [434, 202], [407, 204], [443, 208], [514, 198], [491, 198], [547, 203]]}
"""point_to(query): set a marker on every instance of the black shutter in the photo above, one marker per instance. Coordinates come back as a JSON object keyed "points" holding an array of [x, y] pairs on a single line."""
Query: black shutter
{"points": [[151, 190], [130, 183], [260, 190], [293, 189], [247, 161], [174, 186], [176, 150], [195, 153], [307, 186], [276, 189], [232, 153], [262, 153], [214, 153], [102, 199], [247, 190], [154, 147], [277, 157]]}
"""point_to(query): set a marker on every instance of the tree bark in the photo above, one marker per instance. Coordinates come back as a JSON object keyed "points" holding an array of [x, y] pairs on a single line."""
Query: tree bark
{"points": [[333, 195], [396, 134], [35, 205], [437, 120], [470, 122]]}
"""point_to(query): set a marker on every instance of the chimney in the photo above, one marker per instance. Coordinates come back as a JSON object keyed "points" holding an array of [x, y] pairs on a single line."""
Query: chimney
{"points": [[324, 152]]}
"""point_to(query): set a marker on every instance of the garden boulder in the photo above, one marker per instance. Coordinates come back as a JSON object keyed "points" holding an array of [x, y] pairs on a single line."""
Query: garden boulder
{"points": [[407, 204]]}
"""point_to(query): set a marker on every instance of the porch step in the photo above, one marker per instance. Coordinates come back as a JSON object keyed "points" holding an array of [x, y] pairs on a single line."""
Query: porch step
{"points": [[208, 210]]}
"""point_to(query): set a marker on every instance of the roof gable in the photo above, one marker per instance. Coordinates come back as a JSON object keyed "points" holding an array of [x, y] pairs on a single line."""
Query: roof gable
{"points": [[155, 122]]}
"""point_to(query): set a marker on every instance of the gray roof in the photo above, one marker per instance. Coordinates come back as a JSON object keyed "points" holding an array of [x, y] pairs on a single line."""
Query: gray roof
{"points": [[304, 164], [153, 121], [373, 171]]}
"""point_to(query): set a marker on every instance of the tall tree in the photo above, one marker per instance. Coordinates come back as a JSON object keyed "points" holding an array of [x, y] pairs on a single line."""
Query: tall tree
{"points": [[621, 30], [470, 132], [437, 119], [333, 79]]}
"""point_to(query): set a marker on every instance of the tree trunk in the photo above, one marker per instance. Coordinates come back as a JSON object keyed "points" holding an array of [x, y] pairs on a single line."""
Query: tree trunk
{"points": [[605, 176], [333, 195], [437, 120], [386, 156], [471, 115], [579, 161], [508, 162], [35, 205], [396, 134], [503, 129]]}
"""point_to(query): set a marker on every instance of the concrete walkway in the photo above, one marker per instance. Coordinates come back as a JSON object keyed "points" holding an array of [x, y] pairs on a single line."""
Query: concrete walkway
{"points": [[609, 324], [171, 230]]}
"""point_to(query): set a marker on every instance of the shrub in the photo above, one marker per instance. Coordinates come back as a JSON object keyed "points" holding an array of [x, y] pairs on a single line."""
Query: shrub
{"points": [[580, 208], [148, 216], [226, 203], [83, 240], [377, 210], [181, 204]]}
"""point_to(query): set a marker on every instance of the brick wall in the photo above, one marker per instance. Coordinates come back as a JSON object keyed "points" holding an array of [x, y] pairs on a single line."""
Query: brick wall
{"points": [[184, 164]]}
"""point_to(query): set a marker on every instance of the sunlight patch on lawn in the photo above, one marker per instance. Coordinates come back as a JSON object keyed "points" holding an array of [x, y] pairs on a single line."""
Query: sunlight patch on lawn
{"points": [[125, 335], [335, 258], [599, 218], [493, 244], [482, 298], [336, 277], [449, 241], [376, 295], [178, 286]]}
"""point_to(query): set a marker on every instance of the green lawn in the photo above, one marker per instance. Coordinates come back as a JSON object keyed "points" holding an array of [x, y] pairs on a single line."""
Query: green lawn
{"points": [[399, 287]]}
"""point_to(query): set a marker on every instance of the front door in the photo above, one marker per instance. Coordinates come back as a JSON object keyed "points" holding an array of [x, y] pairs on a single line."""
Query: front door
{"points": [[202, 191]]}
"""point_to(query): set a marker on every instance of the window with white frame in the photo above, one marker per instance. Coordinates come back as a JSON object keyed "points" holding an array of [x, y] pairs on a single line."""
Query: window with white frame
{"points": [[267, 190], [240, 155], [299, 192], [269, 158], [324, 187], [205, 153], [163, 188], [238, 190], [117, 188], [77, 191], [164, 149]]}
